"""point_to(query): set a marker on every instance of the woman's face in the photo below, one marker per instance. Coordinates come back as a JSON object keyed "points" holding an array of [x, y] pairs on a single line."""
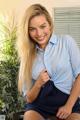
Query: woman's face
{"points": [[40, 30]]}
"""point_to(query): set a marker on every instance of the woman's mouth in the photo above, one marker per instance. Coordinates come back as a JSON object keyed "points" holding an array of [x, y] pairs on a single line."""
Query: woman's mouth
{"points": [[41, 38]]}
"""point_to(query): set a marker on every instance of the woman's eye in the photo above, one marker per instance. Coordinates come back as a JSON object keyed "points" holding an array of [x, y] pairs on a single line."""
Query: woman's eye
{"points": [[43, 26], [31, 29]]}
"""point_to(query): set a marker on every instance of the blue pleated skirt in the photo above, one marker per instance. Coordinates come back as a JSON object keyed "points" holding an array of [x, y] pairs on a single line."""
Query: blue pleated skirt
{"points": [[49, 100]]}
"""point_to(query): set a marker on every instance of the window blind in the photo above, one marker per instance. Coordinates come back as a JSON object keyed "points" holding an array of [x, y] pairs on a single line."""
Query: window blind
{"points": [[67, 21]]}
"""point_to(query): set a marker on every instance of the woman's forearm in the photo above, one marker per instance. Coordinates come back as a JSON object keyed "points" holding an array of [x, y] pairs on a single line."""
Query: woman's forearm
{"points": [[33, 93], [75, 92], [41, 80]]}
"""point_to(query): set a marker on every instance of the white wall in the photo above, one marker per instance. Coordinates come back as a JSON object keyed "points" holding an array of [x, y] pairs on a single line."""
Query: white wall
{"points": [[66, 3], [26, 3], [49, 4], [19, 5]]}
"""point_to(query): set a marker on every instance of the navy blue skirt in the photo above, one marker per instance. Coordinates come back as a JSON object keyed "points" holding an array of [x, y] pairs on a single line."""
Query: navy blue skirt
{"points": [[49, 100]]}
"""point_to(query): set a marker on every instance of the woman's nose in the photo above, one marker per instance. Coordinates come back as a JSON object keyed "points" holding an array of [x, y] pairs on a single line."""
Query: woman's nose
{"points": [[38, 32]]}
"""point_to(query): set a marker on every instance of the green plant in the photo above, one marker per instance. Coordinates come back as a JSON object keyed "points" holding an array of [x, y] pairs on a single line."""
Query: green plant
{"points": [[9, 67], [2, 106]]}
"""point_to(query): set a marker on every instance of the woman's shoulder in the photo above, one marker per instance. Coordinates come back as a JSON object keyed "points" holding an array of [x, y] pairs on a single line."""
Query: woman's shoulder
{"points": [[66, 38], [63, 38]]}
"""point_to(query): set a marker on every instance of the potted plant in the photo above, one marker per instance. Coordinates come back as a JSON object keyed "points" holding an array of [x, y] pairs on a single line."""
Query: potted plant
{"points": [[9, 67]]}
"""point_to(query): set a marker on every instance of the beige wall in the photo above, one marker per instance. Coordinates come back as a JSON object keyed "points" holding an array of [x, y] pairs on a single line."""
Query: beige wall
{"points": [[25, 3], [66, 3], [7, 6]]}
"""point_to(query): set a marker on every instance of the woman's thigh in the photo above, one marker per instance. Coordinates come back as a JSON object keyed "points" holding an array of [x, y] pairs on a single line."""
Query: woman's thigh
{"points": [[32, 115], [74, 116]]}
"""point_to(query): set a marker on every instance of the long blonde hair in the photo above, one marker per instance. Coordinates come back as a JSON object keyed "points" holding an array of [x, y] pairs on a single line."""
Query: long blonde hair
{"points": [[26, 47]]}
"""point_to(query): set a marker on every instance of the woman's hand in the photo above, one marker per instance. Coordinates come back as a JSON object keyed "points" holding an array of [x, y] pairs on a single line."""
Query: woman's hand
{"points": [[42, 78], [34, 91], [64, 112]]}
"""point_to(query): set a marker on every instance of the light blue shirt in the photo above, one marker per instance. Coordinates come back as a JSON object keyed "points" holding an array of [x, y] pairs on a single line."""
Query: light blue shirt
{"points": [[61, 59]]}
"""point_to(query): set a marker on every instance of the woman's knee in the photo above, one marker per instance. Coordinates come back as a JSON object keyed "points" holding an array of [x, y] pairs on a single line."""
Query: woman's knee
{"points": [[74, 116], [32, 115], [26, 115]]}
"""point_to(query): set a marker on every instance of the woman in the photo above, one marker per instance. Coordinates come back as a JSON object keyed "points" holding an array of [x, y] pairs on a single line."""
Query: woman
{"points": [[49, 75]]}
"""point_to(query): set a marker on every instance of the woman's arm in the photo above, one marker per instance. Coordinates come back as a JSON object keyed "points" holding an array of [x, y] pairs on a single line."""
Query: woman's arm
{"points": [[34, 91], [75, 92], [66, 110]]}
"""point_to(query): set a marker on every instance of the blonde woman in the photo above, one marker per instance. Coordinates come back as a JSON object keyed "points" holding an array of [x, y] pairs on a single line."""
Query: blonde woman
{"points": [[49, 74]]}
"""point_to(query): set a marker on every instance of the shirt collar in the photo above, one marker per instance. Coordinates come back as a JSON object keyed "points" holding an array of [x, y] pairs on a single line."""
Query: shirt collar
{"points": [[53, 39], [38, 48]]}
